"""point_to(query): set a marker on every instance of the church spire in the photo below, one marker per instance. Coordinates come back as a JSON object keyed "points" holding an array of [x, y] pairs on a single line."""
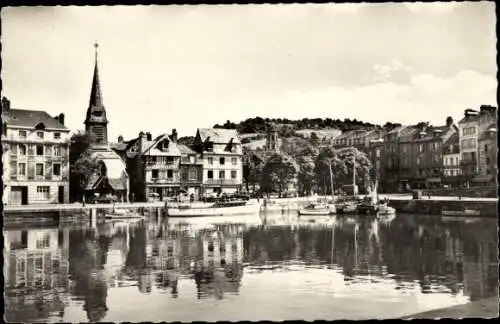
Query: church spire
{"points": [[95, 94], [96, 121]]}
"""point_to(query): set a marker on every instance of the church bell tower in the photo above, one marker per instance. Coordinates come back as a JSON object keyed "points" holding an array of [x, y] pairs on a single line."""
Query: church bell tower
{"points": [[96, 122]]}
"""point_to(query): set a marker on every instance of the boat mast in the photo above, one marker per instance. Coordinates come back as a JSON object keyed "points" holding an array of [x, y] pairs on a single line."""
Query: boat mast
{"points": [[331, 178], [354, 191]]}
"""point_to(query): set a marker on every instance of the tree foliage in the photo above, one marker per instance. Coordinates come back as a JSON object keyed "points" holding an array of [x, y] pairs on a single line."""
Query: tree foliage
{"points": [[277, 173], [82, 164]]}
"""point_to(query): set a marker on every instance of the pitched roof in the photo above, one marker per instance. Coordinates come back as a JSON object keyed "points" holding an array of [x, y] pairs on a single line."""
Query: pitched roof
{"points": [[172, 151], [184, 149], [31, 118], [453, 140], [219, 136]]}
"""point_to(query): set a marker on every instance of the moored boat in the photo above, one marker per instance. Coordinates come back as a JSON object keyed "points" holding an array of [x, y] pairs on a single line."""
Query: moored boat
{"points": [[462, 212], [122, 214], [318, 209], [227, 208], [383, 210]]}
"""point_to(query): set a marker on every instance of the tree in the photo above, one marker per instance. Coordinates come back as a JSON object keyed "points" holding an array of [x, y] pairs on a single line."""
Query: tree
{"points": [[252, 167], [327, 158], [278, 171], [306, 177], [82, 164]]}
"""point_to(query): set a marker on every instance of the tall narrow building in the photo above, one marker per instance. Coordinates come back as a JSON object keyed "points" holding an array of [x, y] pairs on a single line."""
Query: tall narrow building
{"points": [[96, 122]]}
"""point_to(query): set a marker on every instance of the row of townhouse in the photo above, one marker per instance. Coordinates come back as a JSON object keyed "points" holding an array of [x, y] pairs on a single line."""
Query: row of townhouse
{"points": [[161, 167], [36, 159], [423, 156]]}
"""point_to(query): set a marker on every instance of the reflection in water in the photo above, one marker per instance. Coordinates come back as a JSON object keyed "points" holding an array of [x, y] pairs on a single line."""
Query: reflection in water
{"points": [[50, 270]]}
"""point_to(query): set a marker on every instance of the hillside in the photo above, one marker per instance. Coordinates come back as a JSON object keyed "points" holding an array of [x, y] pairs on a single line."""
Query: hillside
{"points": [[259, 125]]}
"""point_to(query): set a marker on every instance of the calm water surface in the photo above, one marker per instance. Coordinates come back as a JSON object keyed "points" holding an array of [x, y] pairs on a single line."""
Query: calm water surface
{"points": [[274, 267]]}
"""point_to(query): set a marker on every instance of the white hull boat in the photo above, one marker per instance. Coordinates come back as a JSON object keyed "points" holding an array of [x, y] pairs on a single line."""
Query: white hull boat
{"points": [[216, 209], [463, 213], [123, 216], [384, 210], [317, 210]]}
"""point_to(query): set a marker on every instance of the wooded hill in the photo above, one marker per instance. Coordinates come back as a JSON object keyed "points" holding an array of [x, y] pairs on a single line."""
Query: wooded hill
{"points": [[259, 124]]}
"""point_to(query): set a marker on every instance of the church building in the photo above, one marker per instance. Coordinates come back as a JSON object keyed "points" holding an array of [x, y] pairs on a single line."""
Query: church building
{"points": [[112, 178]]}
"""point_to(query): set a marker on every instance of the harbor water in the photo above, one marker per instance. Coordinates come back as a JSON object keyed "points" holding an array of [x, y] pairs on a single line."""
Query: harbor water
{"points": [[274, 266]]}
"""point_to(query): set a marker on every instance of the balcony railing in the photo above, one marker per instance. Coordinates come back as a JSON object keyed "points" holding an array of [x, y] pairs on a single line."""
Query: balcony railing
{"points": [[163, 181], [222, 182]]}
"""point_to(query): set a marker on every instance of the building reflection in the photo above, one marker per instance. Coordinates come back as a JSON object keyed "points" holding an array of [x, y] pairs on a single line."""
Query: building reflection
{"points": [[45, 269], [36, 273]]}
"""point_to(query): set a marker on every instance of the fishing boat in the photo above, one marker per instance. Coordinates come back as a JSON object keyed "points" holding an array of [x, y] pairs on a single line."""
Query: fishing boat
{"points": [[465, 212], [321, 207], [316, 208], [122, 214], [385, 210], [225, 208]]}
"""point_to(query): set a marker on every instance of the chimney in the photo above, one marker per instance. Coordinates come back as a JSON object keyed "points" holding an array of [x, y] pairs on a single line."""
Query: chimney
{"points": [[174, 135], [5, 104], [142, 140], [60, 118], [120, 139], [148, 136], [449, 121]]}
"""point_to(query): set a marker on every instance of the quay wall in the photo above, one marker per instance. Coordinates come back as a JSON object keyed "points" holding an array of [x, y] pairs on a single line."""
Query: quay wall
{"points": [[434, 206]]}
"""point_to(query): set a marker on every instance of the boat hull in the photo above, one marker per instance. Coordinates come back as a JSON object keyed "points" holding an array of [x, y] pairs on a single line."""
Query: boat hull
{"points": [[316, 212], [461, 213], [213, 211]]}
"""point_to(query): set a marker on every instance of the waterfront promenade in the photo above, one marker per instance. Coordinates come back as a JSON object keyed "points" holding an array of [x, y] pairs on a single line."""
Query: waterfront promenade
{"points": [[272, 201]]}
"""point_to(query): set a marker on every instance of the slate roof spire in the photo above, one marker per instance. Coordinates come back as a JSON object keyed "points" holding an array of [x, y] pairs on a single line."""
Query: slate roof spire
{"points": [[95, 94]]}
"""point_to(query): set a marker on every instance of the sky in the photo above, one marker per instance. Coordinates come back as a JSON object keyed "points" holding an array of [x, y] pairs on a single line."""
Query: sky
{"points": [[185, 67]]}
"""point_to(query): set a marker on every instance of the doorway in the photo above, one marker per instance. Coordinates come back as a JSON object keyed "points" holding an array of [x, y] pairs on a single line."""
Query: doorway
{"points": [[61, 195], [19, 195]]}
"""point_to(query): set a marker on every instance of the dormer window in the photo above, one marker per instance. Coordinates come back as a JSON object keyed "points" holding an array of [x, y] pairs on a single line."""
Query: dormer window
{"points": [[39, 135], [57, 135], [22, 134]]}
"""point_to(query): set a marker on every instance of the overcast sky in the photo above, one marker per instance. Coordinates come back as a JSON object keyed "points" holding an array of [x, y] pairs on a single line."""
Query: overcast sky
{"points": [[193, 66]]}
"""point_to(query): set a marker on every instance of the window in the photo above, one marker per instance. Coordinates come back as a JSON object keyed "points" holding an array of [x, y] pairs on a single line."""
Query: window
{"points": [[222, 174], [486, 148], [39, 150], [210, 174], [436, 145], [222, 161], [170, 174], [57, 135], [404, 148], [418, 161], [192, 174], [421, 147], [487, 161], [233, 174], [210, 160], [57, 151], [43, 242], [22, 134], [451, 173], [377, 153], [234, 161], [42, 192], [192, 159], [39, 134], [435, 158], [154, 174], [22, 169], [170, 159], [56, 169], [22, 149], [39, 169]]}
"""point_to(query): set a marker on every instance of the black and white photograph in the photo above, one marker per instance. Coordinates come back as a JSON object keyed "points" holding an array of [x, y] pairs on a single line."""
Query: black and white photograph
{"points": [[249, 162]]}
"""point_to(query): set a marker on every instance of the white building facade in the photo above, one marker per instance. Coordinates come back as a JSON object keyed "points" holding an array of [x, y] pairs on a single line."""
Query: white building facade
{"points": [[35, 158]]}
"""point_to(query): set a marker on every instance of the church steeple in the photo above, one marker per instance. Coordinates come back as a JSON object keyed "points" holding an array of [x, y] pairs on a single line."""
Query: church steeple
{"points": [[96, 121]]}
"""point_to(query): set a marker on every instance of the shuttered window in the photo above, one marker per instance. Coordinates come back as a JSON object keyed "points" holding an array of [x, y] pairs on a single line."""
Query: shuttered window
{"points": [[31, 170], [13, 169], [39, 169], [48, 170], [48, 150], [31, 149]]}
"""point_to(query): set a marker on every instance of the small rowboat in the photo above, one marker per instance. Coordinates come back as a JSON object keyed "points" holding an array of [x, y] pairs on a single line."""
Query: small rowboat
{"points": [[464, 212]]}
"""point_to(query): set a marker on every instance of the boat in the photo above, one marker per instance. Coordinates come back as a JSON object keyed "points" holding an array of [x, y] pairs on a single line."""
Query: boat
{"points": [[225, 208], [347, 206], [384, 210], [318, 209], [321, 207], [463, 212], [120, 214]]}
